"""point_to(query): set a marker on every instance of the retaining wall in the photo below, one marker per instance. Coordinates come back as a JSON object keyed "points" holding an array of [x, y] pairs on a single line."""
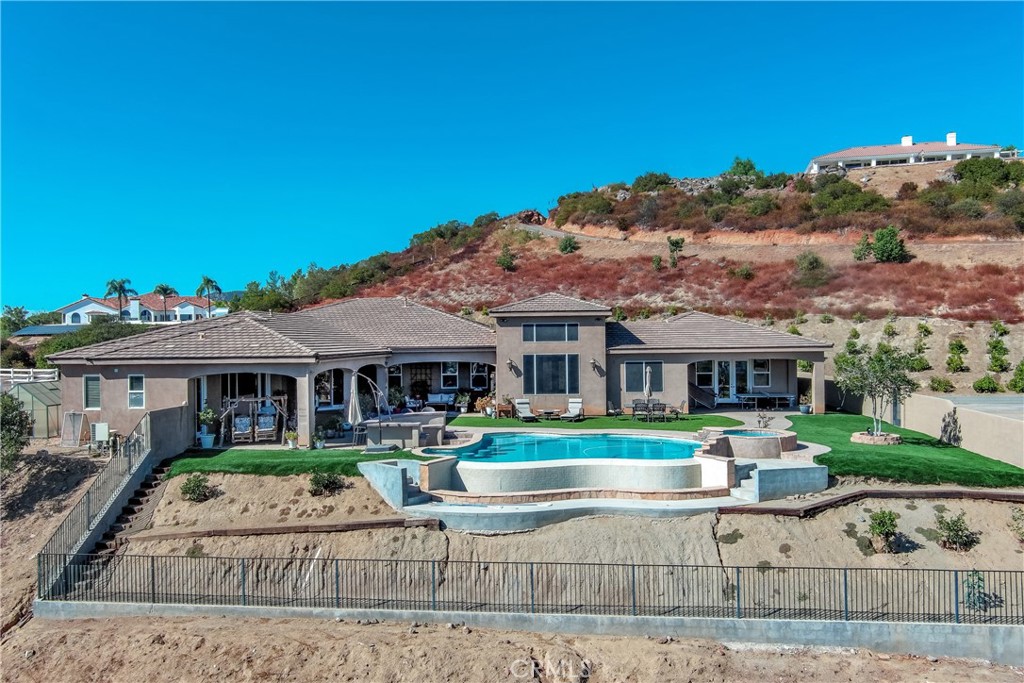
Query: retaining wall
{"points": [[999, 644]]}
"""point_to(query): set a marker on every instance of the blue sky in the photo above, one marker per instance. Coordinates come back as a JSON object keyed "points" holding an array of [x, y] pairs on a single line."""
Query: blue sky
{"points": [[161, 142]]}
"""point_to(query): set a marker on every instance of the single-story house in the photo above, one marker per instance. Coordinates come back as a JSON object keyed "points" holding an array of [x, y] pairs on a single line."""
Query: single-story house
{"points": [[907, 152], [547, 348], [144, 308]]}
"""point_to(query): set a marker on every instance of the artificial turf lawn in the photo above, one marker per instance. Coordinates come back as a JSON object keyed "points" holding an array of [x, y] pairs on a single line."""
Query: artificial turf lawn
{"points": [[689, 423], [920, 459], [279, 463]]}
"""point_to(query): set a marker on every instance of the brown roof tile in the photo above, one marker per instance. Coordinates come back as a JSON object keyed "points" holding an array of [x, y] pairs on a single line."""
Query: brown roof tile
{"points": [[695, 331], [552, 302]]}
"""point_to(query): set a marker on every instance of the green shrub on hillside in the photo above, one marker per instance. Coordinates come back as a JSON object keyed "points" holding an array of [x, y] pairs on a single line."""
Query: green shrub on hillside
{"points": [[844, 196], [650, 182], [777, 181], [581, 205], [507, 259], [958, 347], [907, 191], [940, 384], [984, 171], [1016, 383], [761, 205], [743, 167], [888, 246], [717, 214], [568, 244], [987, 385], [924, 330], [743, 272], [955, 363], [968, 208], [1011, 205]]}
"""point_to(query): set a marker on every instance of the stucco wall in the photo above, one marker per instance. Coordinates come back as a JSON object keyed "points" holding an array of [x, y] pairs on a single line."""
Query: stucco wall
{"points": [[994, 436], [591, 344]]}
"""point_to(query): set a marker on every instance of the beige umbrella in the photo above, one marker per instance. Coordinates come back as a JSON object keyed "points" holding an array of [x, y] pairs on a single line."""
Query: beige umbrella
{"points": [[647, 384], [355, 414]]}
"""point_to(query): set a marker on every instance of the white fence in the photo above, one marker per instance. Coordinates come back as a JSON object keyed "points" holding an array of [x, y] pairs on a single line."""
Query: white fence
{"points": [[21, 375]]}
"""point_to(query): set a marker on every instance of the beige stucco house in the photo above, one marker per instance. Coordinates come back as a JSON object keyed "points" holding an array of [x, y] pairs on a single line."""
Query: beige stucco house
{"points": [[548, 348]]}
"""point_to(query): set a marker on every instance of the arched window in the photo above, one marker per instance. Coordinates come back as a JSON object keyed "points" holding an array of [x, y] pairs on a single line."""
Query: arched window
{"points": [[76, 318]]}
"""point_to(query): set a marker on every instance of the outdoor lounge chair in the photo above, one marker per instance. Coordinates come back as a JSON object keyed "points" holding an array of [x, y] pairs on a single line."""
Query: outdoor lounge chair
{"points": [[266, 426], [575, 411], [613, 411], [523, 411]]}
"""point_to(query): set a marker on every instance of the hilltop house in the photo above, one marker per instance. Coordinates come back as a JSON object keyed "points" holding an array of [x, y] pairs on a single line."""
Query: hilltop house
{"points": [[546, 348], [145, 308], [907, 152]]}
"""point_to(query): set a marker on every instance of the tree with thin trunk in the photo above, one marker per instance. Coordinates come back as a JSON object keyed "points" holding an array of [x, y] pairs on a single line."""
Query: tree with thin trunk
{"points": [[208, 286], [165, 290], [882, 377], [122, 290]]}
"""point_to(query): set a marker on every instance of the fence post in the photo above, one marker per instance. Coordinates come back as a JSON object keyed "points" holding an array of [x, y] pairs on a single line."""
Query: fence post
{"points": [[88, 507], [242, 562], [533, 605], [956, 595], [433, 585], [739, 609], [337, 585], [634, 590], [846, 595], [152, 579]]}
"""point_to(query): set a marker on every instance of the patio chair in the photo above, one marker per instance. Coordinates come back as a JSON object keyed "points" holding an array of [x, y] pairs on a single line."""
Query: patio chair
{"points": [[641, 409], [523, 411], [266, 426], [612, 410], [659, 411], [575, 411], [241, 429]]}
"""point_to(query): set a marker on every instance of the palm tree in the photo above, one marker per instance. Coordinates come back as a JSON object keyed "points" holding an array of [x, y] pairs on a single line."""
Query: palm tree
{"points": [[165, 291], [209, 286], [122, 290]]}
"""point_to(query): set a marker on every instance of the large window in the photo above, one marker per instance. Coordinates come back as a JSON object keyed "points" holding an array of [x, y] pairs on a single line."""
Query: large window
{"points": [[395, 377], [705, 373], [479, 376], [762, 372], [136, 391], [636, 372], [551, 374], [449, 375], [91, 390], [550, 332]]}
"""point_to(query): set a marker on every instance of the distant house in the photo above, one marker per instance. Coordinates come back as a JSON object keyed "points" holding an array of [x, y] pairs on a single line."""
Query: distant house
{"points": [[145, 308], [548, 348], [907, 152]]}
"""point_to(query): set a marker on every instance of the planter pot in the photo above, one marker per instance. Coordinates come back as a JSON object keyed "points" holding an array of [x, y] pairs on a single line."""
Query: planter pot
{"points": [[319, 445], [489, 411], [463, 409], [293, 444], [805, 409], [206, 440]]}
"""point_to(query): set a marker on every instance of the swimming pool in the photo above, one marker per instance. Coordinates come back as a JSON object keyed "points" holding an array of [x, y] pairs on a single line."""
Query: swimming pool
{"points": [[527, 447], [749, 432]]}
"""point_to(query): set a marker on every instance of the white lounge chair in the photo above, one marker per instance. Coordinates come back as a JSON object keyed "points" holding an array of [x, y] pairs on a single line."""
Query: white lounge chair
{"points": [[575, 411], [523, 411]]}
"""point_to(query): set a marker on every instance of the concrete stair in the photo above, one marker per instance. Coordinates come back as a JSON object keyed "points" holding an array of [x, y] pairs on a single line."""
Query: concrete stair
{"points": [[746, 487], [126, 522]]}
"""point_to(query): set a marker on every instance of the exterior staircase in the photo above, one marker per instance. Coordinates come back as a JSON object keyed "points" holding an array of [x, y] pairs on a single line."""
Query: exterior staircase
{"points": [[703, 397], [136, 514]]}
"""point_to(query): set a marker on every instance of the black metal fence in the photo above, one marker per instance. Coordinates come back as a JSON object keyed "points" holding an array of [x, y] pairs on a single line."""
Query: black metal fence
{"points": [[898, 595], [111, 479]]}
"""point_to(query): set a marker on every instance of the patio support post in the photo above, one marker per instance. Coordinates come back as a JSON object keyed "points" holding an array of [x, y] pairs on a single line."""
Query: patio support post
{"points": [[305, 411], [818, 387]]}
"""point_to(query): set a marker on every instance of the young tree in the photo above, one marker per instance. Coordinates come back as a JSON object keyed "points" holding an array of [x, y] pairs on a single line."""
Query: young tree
{"points": [[165, 290], [881, 377], [15, 430], [13, 319], [208, 286], [507, 259], [122, 290], [889, 246]]}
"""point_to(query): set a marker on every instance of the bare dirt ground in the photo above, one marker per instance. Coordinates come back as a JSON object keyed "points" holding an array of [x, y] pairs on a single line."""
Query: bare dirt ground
{"points": [[203, 649], [236, 649]]}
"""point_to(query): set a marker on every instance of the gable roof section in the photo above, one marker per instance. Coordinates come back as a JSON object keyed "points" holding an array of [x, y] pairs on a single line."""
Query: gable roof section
{"points": [[149, 300], [239, 336], [695, 331], [398, 323], [553, 302]]}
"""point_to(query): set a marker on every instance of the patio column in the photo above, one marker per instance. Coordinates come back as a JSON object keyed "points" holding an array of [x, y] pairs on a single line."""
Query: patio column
{"points": [[818, 388], [305, 411]]}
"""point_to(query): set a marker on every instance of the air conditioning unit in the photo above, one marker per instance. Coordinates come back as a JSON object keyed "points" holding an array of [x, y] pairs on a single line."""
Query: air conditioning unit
{"points": [[99, 432]]}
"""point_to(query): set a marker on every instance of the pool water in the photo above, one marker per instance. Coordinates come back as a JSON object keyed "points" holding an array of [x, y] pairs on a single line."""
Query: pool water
{"points": [[749, 432], [520, 447]]}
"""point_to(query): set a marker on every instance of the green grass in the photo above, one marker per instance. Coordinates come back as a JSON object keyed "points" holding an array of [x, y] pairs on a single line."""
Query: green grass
{"points": [[278, 463], [690, 423], [920, 459]]}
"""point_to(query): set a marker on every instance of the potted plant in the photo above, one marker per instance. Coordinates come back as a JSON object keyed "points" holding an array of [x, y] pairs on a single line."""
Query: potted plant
{"points": [[485, 405], [462, 401], [319, 440], [805, 404], [292, 437], [207, 418], [331, 427]]}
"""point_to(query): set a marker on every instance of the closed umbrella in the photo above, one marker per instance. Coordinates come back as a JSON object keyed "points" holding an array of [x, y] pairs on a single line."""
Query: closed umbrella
{"points": [[647, 384], [355, 415]]}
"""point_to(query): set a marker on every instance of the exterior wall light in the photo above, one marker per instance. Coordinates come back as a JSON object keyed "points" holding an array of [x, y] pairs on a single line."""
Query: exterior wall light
{"points": [[510, 364]]}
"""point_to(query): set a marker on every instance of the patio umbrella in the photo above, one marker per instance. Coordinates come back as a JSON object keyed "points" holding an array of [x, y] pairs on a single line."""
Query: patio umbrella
{"points": [[355, 415], [647, 384]]}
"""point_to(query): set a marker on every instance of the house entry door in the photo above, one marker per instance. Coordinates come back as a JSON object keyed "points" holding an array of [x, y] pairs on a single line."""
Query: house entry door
{"points": [[731, 378]]}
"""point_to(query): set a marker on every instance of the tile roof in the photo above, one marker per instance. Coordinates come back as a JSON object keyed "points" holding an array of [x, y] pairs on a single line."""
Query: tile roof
{"points": [[45, 330], [402, 324], [244, 335], [552, 303], [902, 150], [149, 300], [694, 331]]}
